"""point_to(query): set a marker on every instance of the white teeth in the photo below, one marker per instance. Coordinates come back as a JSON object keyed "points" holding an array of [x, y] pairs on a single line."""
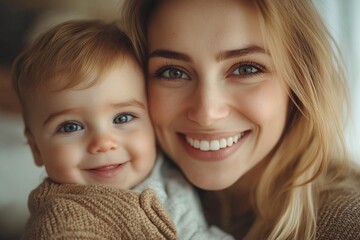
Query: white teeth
{"points": [[214, 145], [190, 140], [204, 145], [223, 143], [196, 144], [230, 141]]}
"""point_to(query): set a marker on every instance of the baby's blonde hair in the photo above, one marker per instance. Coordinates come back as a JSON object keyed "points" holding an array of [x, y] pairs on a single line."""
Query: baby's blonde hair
{"points": [[68, 54]]}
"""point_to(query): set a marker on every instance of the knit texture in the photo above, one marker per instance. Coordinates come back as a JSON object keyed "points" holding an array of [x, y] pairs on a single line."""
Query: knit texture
{"points": [[69, 211], [339, 215], [181, 202]]}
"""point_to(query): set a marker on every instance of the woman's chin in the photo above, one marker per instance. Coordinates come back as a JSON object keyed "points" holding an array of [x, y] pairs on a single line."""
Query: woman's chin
{"points": [[211, 182]]}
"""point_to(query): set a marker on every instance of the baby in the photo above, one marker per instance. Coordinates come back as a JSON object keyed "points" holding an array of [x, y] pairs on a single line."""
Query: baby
{"points": [[84, 105]]}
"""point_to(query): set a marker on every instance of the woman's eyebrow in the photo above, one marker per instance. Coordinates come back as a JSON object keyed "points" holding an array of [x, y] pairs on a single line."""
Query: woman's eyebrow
{"points": [[164, 53], [170, 54], [240, 52]]}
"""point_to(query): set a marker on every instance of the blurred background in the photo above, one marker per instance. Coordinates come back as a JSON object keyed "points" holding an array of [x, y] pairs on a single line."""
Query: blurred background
{"points": [[342, 18], [21, 20]]}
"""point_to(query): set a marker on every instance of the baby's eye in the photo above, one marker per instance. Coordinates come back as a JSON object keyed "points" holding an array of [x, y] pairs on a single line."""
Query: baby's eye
{"points": [[172, 73], [123, 118], [246, 70], [68, 127]]}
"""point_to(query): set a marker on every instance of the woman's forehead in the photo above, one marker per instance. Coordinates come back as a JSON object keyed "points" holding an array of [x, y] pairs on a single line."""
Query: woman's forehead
{"points": [[218, 25]]}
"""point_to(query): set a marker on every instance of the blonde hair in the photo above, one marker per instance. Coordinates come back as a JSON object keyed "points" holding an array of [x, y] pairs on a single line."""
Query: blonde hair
{"points": [[305, 55], [68, 54], [312, 152]]}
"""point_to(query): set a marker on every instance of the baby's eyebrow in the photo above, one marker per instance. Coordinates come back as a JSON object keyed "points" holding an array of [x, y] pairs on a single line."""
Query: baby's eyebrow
{"points": [[131, 103], [59, 113]]}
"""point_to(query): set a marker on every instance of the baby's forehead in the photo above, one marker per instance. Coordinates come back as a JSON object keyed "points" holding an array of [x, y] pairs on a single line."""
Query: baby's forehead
{"points": [[82, 77]]}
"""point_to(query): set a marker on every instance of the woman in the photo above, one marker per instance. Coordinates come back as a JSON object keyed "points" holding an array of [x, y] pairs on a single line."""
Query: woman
{"points": [[247, 98]]}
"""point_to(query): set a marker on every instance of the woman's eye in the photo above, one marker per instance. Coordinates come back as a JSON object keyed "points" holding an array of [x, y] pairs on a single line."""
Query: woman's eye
{"points": [[70, 127], [173, 73], [123, 118], [244, 70]]}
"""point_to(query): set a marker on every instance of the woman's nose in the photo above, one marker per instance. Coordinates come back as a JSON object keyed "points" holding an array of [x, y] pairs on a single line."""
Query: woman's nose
{"points": [[102, 144], [207, 105]]}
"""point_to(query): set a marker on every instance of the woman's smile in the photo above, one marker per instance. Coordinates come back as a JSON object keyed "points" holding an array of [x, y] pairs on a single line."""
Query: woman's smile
{"points": [[213, 147], [214, 144]]}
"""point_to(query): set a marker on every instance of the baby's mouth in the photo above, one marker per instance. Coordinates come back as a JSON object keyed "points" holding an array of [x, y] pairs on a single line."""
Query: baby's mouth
{"points": [[106, 168]]}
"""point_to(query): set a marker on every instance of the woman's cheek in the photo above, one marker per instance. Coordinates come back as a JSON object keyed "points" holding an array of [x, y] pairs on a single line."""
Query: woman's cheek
{"points": [[161, 104]]}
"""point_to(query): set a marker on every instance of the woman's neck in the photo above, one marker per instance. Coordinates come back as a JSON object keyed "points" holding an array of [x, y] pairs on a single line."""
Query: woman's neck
{"points": [[233, 209]]}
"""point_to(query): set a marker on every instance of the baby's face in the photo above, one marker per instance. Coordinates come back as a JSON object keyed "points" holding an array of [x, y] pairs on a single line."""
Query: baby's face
{"points": [[97, 135]]}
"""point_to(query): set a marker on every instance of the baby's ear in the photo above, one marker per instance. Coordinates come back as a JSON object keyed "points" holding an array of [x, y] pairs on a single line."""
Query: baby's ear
{"points": [[34, 148]]}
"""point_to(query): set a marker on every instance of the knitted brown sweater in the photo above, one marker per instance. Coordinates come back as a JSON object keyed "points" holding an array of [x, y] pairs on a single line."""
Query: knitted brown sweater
{"points": [[67, 211], [339, 215]]}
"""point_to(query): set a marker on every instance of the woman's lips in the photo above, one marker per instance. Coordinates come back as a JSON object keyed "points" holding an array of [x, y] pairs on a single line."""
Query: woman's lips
{"points": [[107, 171], [214, 148]]}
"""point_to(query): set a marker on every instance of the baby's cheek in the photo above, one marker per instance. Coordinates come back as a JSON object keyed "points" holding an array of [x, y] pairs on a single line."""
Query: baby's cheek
{"points": [[65, 156], [62, 163]]}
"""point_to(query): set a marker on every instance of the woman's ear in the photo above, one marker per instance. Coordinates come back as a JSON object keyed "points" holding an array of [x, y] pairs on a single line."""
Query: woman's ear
{"points": [[34, 148]]}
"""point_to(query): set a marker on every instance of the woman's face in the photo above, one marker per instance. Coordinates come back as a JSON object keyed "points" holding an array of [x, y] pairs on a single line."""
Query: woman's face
{"points": [[217, 104]]}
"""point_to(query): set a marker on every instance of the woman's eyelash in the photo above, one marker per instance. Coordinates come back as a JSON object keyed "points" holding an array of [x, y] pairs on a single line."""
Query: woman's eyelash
{"points": [[247, 69], [240, 69], [159, 73]]}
